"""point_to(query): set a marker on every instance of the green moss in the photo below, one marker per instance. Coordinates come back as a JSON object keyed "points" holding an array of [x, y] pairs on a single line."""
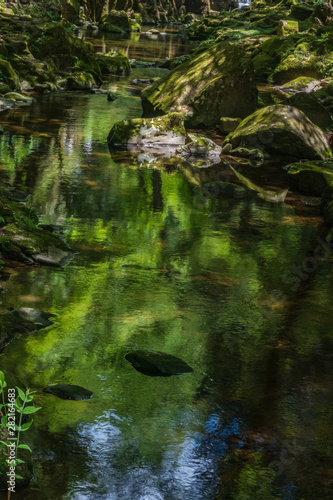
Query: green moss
{"points": [[311, 178], [8, 75]]}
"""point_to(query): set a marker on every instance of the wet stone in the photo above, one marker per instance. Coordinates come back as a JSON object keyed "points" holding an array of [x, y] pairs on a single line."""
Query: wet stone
{"points": [[157, 364], [69, 391]]}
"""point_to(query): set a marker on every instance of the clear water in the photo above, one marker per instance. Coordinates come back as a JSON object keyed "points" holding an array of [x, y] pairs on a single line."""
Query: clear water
{"points": [[161, 266]]}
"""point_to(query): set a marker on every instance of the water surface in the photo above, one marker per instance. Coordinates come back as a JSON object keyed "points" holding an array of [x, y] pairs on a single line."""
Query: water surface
{"points": [[225, 284]]}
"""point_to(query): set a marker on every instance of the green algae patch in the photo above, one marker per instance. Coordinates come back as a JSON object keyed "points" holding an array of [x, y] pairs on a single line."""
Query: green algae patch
{"points": [[282, 130], [162, 130], [311, 178], [218, 82]]}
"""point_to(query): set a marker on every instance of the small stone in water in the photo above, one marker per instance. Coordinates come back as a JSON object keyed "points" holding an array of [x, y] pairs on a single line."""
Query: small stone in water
{"points": [[69, 391], [157, 364]]}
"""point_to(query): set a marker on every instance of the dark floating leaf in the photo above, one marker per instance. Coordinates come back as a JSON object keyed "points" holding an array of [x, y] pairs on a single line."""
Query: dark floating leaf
{"points": [[68, 391], [157, 364]]}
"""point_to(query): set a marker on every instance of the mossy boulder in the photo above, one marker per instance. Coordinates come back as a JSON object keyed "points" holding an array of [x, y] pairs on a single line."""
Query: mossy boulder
{"points": [[311, 178], [301, 12], [80, 81], [166, 130], [8, 75], [284, 131], [218, 82], [58, 46], [118, 22], [287, 27], [312, 108], [114, 62]]}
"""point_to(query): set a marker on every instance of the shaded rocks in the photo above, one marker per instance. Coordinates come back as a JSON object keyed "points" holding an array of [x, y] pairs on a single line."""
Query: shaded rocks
{"points": [[326, 206], [166, 130], [228, 125], [8, 75], [284, 131], [19, 98], [69, 391], [311, 178], [312, 108], [218, 82], [118, 22], [55, 257], [157, 364]]}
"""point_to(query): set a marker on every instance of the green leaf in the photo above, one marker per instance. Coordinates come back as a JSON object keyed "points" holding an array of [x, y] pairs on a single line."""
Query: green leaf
{"points": [[19, 461], [4, 421], [18, 477], [28, 410], [21, 393], [26, 426], [1, 261], [25, 447]]}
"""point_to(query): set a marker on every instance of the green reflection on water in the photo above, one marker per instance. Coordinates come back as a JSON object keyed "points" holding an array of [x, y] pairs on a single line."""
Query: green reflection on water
{"points": [[155, 270]]}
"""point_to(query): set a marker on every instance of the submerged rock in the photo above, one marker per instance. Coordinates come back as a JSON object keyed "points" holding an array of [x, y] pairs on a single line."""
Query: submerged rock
{"points": [[284, 131], [54, 257], [68, 391], [166, 130], [218, 82], [157, 364]]}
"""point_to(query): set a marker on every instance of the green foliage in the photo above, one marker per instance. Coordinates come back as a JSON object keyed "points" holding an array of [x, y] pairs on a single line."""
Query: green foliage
{"points": [[18, 406]]}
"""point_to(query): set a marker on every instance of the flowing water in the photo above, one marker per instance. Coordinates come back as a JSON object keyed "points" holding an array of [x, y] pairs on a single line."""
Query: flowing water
{"points": [[235, 287]]}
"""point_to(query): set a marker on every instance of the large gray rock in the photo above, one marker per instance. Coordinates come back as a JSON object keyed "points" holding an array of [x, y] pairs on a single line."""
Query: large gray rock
{"points": [[218, 82], [166, 130], [284, 131]]}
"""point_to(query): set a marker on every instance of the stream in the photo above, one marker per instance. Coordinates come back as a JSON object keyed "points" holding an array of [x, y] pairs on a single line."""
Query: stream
{"points": [[232, 286]]}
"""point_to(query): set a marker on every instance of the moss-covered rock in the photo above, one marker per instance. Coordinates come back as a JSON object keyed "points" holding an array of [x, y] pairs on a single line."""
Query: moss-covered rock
{"points": [[301, 11], [118, 22], [144, 132], [228, 124], [21, 98], [58, 46], [114, 62], [218, 82], [80, 81], [282, 130], [312, 108], [8, 75], [287, 27], [311, 178]]}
